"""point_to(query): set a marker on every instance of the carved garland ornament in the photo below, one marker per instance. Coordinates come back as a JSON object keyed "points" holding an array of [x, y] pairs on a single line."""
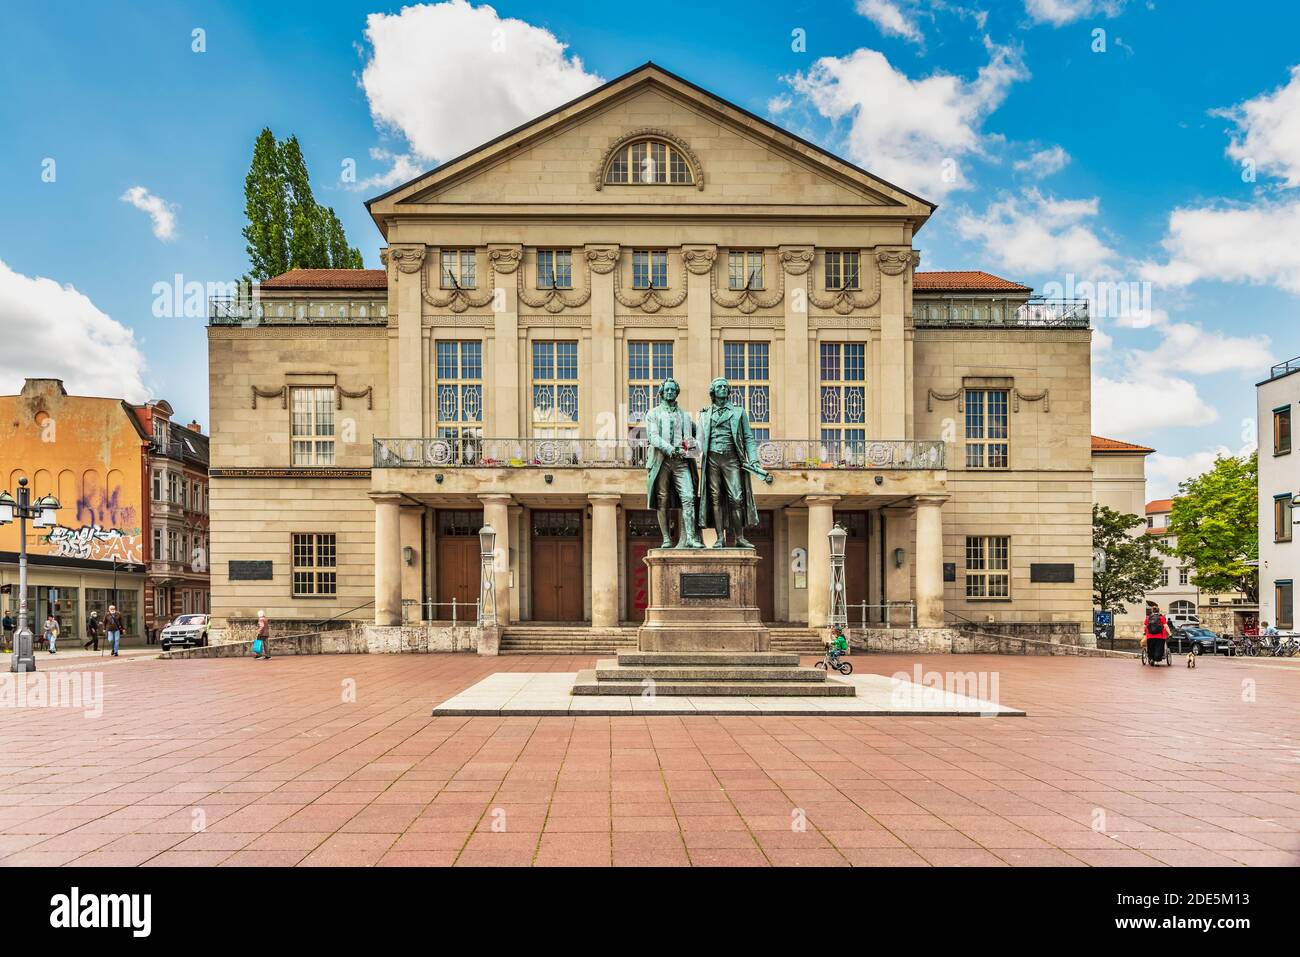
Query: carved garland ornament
{"points": [[844, 301], [1017, 396], [340, 394], [556, 300], [459, 299], [748, 300], [647, 300], [281, 393]]}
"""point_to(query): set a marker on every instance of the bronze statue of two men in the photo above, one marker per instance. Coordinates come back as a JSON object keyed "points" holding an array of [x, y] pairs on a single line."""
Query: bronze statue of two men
{"points": [[729, 457]]}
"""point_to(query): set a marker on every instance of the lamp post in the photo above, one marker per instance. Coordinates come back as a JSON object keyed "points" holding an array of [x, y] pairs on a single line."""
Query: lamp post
{"points": [[487, 586], [41, 512], [838, 612]]}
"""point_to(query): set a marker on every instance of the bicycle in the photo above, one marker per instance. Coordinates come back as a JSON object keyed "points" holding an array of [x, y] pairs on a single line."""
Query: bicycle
{"points": [[1286, 646], [833, 660]]}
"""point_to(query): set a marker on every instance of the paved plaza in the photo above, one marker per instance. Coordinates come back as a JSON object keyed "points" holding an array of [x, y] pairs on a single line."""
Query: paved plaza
{"points": [[336, 760]]}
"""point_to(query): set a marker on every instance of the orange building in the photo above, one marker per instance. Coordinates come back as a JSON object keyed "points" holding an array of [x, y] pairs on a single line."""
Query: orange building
{"points": [[93, 454]]}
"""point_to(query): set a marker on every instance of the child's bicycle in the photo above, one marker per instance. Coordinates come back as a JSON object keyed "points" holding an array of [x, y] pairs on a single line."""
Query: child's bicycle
{"points": [[833, 660]]}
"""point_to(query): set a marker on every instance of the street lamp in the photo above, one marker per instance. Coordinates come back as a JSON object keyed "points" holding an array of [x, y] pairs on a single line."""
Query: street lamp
{"points": [[839, 610], [41, 514], [487, 587]]}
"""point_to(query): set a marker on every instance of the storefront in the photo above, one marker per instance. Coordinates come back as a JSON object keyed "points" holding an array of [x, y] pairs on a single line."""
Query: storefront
{"points": [[70, 589]]}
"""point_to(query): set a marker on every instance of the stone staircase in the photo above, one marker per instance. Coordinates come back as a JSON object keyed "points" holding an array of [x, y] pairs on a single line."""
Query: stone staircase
{"points": [[532, 639], [803, 641], [735, 674]]}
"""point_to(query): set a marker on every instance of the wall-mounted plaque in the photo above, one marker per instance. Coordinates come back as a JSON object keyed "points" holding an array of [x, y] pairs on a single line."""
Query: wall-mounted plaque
{"points": [[259, 571], [1051, 573], [704, 585], [950, 571]]}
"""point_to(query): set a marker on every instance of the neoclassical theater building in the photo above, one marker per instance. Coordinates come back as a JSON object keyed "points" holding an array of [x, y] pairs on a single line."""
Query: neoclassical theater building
{"points": [[535, 292]]}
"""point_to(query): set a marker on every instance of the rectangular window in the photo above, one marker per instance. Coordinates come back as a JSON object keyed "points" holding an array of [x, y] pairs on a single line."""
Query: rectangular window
{"points": [[843, 400], [312, 425], [745, 269], [1184, 575], [986, 428], [1164, 578], [554, 269], [745, 367], [314, 563], [1282, 431], [1283, 596], [157, 485], [1282, 520], [157, 554], [988, 566], [458, 396], [648, 364], [457, 269], [649, 269], [842, 269], [555, 389]]}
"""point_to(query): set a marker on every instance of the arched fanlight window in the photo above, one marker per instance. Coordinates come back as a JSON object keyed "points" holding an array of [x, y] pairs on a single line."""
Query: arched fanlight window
{"points": [[649, 161]]}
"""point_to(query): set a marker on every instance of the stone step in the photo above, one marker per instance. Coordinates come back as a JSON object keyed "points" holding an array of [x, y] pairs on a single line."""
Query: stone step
{"points": [[712, 658], [587, 684], [701, 673]]}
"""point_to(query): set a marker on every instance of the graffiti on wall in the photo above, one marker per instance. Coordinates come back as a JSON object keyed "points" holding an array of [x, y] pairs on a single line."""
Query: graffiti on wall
{"points": [[104, 507], [96, 543]]}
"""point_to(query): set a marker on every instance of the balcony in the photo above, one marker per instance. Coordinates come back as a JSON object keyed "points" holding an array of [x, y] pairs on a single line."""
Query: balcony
{"points": [[1284, 368], [965, 312], [227, 311], [773, 454]]}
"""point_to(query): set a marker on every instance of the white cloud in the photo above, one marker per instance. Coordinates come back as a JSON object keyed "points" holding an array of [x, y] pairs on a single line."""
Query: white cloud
{"points": [[1256, 244], [1164, 472], [451, 76], [1189, 347], [1060, 12], [891, 20], [90, 352], [1043, 163], [160, 211], [911, 132], [1268, 131], [1143, 401], [1036, 234], [402, 167]]}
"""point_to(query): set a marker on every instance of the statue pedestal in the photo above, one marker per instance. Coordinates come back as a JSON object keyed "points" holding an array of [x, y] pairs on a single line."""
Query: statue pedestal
{"points": [[702, 599]]}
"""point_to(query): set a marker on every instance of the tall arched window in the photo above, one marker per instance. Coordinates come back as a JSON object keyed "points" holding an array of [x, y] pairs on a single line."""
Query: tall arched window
{"points": [[649, 161]]}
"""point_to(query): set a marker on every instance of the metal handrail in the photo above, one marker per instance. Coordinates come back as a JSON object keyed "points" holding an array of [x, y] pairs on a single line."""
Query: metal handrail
{"points": [[427, 607], [1283, 368], [474, 452], [1036, 312], [235, 311]]}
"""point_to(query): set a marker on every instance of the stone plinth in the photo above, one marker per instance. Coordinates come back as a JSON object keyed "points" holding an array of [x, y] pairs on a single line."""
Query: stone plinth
{"points": [[702, 600]]}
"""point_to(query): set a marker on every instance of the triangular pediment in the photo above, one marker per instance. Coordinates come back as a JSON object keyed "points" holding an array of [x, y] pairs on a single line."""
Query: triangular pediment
{"points": [[738, 160]]}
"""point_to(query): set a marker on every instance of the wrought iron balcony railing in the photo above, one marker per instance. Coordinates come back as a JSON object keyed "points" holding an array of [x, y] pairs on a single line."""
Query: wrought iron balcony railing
{"points": [[967, 312], [633, 453]]}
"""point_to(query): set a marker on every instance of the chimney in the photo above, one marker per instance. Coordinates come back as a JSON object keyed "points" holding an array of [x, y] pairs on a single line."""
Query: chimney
{"points": [[195, 427]]}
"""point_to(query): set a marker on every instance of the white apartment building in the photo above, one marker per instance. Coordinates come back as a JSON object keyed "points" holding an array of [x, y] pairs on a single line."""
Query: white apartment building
{"points": [[1279, 483]]}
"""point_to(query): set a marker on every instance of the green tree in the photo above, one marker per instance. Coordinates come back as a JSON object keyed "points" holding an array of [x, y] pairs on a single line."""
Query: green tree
{"points": [[1132, 561], [287, 228], [1216, 521]]}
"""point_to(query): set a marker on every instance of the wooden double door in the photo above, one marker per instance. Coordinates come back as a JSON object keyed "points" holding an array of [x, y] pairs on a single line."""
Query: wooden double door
{"points": [[855, 561], [556, 565], [458, 562]]}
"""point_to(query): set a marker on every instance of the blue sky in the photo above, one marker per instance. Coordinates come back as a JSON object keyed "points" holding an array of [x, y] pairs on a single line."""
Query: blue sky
{"points": [[125, 152]]}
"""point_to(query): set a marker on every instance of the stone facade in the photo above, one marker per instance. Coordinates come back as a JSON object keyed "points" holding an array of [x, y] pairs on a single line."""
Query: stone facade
{"points": [[550, 454]]}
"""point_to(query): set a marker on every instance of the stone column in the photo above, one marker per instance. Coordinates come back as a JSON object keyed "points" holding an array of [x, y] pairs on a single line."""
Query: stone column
{"points": [[502, 411], [406, 380], [821, 517], [496, 512], [929, 561], [894, 264], [604, 560], [388, 560], [697, 364], [600, 404], [795, 262]]}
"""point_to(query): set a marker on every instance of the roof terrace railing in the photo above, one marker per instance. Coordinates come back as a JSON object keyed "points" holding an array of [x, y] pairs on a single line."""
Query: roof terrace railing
{"points": [[1285, 368], [982, 312], [228, 311]]}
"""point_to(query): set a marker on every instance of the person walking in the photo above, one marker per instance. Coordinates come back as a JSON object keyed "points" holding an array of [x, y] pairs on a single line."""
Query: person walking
{"points": [[1155, 635], [51, 633], [113, 625], [262, 644], [92, 631], [8, 632]]}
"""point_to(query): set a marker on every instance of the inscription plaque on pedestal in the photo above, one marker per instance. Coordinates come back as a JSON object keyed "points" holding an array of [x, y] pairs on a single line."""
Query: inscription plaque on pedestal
{"points": [[704, 585]]}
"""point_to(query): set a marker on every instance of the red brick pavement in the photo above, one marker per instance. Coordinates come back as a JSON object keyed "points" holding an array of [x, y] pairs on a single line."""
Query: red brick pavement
{"points": [[242, 762]]}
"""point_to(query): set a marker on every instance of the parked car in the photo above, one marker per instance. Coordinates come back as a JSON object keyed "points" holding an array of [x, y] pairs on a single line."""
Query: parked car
{"points": [[1199, 640], [1182, 620], [187, 630]]}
